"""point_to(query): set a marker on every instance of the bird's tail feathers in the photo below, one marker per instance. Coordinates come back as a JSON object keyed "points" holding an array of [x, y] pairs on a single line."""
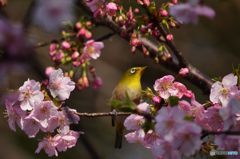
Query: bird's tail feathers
{"points": [[119, 135]]}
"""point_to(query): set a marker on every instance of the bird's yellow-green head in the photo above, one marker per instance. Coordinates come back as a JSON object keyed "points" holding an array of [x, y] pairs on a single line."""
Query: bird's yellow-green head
{"points": [[132, 77]]}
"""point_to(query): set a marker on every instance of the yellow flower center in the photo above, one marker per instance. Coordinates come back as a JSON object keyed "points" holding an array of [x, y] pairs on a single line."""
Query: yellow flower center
{"points": [[224, 91], [90, 50]]}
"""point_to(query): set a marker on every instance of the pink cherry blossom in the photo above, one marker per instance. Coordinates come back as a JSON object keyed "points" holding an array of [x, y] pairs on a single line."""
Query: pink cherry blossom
{"points": [[181, 90], [231, 113], [14, 112], [189, 12], [66, 140], [166, 87], [185, 106], [31, 126], [168, 120], [49, 146], [144, 107], [46, 114], [211, 119], [162, 149], [66, 117], [92, 50], [149, 139], [134, 122], [59, 85], [30, 94], [135, 136], [187, 139], [51, 14], [222, 91], [111, 8]]}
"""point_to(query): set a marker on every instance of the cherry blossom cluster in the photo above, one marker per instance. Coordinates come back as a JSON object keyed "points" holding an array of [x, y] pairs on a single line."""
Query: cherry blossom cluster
{"points": [[177, 121], [77, 49], [37, 107], [225, 97], [143, 20]]}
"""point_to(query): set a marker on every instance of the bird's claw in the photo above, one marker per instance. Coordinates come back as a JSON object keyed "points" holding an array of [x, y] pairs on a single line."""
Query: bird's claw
{"points": [[114, 117]]}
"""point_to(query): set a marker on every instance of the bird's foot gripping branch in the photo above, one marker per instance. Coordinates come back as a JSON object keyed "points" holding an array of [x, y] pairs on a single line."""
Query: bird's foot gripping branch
{"points": [[168, 121]]}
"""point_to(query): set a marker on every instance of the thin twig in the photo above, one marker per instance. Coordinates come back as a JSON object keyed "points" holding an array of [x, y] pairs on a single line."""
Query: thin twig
{"points": [[103, 114], [102, 38]]}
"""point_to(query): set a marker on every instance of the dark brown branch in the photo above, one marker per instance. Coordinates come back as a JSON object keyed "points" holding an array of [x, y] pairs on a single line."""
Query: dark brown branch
{"points": [[195, 76], [206, 133], [146, 115]]}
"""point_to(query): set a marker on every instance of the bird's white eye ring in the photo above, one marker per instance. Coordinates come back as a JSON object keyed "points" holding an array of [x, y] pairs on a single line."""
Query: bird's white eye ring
{"points": [[133, 70]]}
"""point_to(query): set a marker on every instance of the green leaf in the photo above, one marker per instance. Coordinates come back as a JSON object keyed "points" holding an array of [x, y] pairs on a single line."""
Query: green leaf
{"points": [[165, 23], [173, 100]]}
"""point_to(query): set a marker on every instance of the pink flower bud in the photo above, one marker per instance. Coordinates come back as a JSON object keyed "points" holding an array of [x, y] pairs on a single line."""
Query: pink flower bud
{"points": [[82, 82], [97, 82], [156, 99], [82, 32], [76, 63], [111, 8], [52, 47], [49, 70], [75, 55], [78, 25], [136, 10], [135, 42], [163, 12], [88, 34], [89, 23], [189, 94], [183, 71], [169, 37], [146, 2], [59, 56], [66, 45]]}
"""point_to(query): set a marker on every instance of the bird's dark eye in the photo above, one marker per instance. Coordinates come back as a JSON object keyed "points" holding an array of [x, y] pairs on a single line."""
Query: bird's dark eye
{"points": [[133, 70]]}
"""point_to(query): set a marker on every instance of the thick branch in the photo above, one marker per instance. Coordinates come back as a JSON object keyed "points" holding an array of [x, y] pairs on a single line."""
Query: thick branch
{"points": [[206, 133], [195, 76]]}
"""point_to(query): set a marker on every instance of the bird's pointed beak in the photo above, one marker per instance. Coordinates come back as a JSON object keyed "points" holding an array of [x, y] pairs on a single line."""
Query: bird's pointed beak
{"points": [[142, 69]]}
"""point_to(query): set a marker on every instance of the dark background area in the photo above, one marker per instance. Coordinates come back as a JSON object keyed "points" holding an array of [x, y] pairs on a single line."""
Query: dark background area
{"points": [[211, 45]]}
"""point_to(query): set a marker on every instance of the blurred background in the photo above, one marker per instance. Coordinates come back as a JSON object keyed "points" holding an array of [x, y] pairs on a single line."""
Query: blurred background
{"points": [[212, 46]]}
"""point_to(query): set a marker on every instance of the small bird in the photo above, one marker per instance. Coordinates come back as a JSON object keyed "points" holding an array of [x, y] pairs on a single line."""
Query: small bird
{"points": [[130, 87]]}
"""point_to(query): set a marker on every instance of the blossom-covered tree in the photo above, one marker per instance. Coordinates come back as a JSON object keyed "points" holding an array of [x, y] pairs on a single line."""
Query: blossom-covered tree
{"points": [[170, 121]]}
